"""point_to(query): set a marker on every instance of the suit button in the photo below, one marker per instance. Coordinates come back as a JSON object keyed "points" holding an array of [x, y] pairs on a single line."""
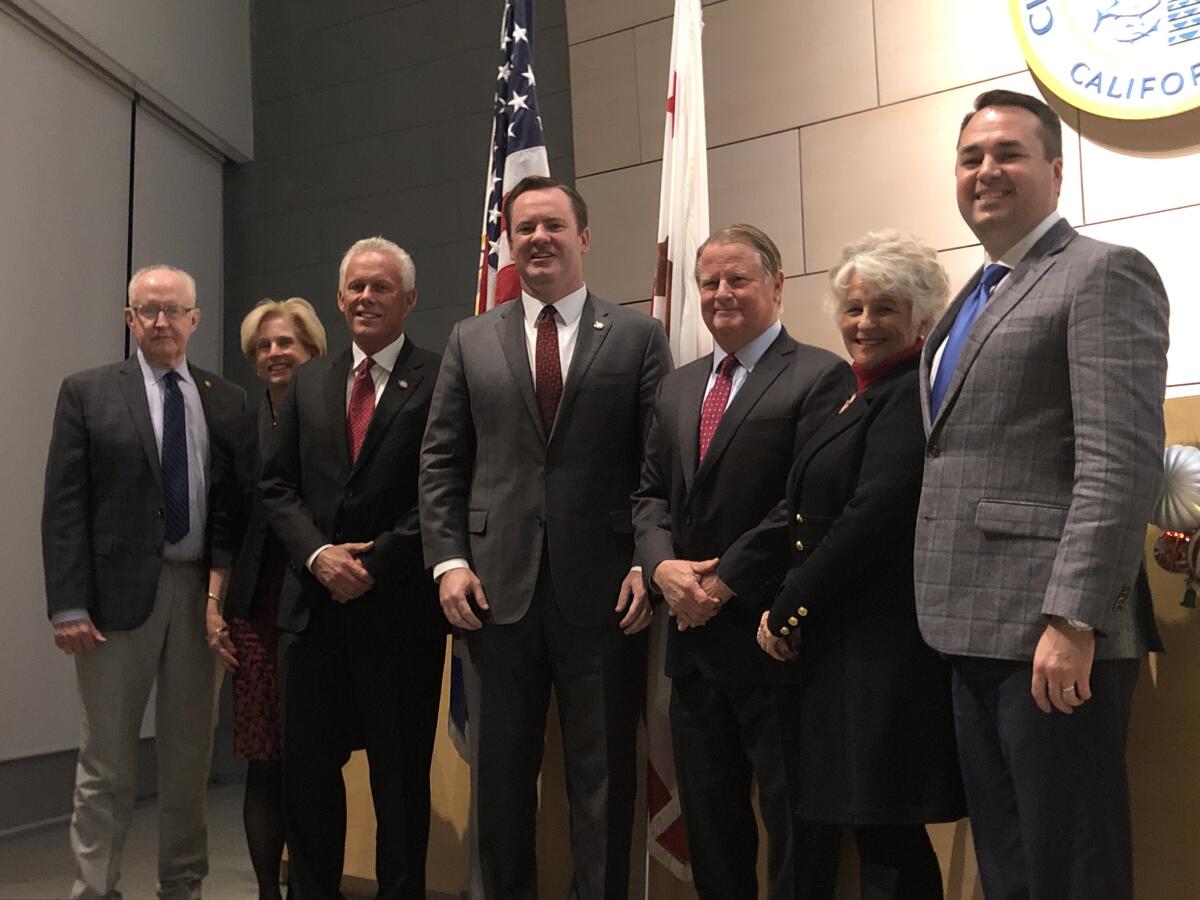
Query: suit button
{"points": [[785, 631], [793, 621], [688, 521], [337, 536], [802, 611], [349, 492], [799, 518], [541, 520], [158, 552], [800, 546], [160, 512], [933, 451]]}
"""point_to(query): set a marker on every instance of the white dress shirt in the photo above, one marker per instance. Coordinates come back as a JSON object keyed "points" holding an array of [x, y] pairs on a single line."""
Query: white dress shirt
{"points": [[567, 312]]}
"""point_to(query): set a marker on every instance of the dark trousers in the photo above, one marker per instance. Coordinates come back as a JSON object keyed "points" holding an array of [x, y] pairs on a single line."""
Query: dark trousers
{"points": [[726, 736], [1047, 794], [599, 675], [359, 676]]}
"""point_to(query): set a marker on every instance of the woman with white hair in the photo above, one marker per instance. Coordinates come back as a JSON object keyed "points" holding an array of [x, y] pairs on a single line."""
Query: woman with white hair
{"points": [[877, 752]]}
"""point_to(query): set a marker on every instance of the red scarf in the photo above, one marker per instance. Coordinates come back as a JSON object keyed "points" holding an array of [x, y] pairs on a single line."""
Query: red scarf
{"points": [[866, 377]]}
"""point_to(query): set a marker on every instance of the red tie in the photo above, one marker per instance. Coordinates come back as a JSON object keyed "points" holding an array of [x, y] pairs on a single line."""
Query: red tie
{"points": [[714, 403], [547, 367], [362, 407]]}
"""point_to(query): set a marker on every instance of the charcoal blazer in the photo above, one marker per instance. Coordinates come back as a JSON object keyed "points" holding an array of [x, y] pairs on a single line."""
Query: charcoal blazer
{"points": [[497, 500], [315, 495], [242, 528], [103, 531], [685, 509], [1043, 463]]}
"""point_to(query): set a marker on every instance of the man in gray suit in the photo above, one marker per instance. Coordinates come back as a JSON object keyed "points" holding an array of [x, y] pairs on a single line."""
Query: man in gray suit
{"points": [[1042, 389], [530, 456], [135, 454]]}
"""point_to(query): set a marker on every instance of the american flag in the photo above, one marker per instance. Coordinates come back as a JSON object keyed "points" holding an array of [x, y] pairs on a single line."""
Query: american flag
{"points": [[518, 149]]}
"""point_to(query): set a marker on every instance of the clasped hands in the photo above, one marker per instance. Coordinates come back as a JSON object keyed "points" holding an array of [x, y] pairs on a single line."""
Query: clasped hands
{"points": [[693, 590], [340, 570]]}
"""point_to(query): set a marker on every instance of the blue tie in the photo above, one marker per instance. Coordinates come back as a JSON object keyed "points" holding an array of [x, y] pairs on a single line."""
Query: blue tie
{"points": [[174, 461], [967, 314]]}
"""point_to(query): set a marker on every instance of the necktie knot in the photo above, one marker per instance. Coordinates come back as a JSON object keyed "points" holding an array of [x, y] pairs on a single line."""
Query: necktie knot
{"points": [[726, 366], [992, 275], [364, 367], [170, 379]]}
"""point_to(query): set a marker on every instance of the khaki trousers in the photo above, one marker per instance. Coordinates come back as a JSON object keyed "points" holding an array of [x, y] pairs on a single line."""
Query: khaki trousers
{"points": [[168, 650]]}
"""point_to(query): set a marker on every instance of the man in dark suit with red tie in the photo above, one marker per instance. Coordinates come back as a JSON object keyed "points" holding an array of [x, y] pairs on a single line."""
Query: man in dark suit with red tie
{"points": [[533, 447], [725, 431], [362, 640]]}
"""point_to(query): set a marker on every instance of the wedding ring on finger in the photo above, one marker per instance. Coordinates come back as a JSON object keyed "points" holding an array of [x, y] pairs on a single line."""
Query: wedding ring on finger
{"points": [[1069, 689]]}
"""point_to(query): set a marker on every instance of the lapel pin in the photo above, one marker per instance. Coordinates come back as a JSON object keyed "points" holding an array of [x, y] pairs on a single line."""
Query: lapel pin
{"points": [[598, 325], [207, 383], [403, 383]]}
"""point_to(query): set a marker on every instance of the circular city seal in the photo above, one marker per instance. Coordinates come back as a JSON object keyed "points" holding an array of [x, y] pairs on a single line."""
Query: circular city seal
{"points": [[1124, 59]]}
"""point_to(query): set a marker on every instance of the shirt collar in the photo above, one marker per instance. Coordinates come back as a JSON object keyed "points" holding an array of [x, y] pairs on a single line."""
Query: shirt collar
{"points": [[749, 355], [385, 358], [569, 307], [153, 373], [1017, 252]]}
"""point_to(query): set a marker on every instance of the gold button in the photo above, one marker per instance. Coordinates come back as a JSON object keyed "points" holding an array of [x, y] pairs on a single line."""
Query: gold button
{"points": [[785, 631], [800, 545], [799, 518], [793, 621], [802, 611]]}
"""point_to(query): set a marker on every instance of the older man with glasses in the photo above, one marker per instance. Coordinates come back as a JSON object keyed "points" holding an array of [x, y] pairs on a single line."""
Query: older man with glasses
{"points": [[136, 453]]}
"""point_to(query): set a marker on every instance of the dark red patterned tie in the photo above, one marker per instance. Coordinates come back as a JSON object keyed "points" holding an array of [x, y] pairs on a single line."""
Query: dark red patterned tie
{"points": [[547, 367], [362, 407], [714, 403]]}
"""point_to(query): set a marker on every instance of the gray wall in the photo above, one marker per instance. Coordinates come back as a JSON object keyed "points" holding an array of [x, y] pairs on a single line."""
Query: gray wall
{"points": [[190, 59], [373, 117]]}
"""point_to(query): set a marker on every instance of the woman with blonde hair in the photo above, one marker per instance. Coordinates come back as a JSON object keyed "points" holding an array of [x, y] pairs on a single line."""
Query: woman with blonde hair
{"points": [[243, 603]]}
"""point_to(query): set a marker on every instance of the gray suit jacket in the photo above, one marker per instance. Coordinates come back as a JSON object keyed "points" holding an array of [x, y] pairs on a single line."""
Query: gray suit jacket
{"points": [[1043, 463], [102, 523], [495, 488]]}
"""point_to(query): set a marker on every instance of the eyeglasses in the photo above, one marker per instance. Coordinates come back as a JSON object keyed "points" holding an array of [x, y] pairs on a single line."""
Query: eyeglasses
{"points": [[148, 312]]}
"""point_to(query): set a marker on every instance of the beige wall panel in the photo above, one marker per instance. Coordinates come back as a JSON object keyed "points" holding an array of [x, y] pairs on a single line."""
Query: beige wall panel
{"points": [[623, 218], [894, 167], [759, 182], [1169, 239], [604, 108], [774, 64], [960, 264], [804, 313], [652, 49], [926, 46], [642, 306], [587, 19], [1130, 168]]}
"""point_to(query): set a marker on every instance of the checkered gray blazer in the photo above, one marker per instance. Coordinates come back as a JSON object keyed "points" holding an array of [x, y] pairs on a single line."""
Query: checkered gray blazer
{"points": [[1044, 460]]}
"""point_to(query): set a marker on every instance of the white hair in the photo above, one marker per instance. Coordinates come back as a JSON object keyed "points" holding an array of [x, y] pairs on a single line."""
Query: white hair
{"points": [[895, 264], [189, 282], [408, 272]]}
